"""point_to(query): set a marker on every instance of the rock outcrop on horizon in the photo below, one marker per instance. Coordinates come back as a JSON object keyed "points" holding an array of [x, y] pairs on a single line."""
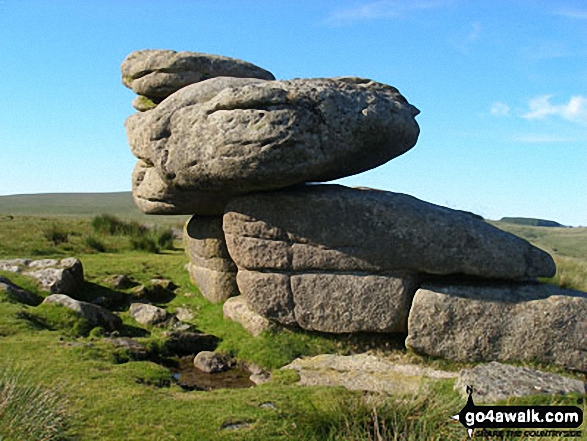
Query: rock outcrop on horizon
{"points": [[244, 154]]}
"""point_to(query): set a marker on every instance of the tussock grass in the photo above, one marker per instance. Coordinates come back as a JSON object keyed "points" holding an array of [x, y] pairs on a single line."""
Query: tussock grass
{"points": [[571, 273], [28, 410]]}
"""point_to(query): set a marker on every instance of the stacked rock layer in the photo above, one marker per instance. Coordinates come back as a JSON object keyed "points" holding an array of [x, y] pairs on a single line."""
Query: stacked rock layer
{"points": [[222, 140]]}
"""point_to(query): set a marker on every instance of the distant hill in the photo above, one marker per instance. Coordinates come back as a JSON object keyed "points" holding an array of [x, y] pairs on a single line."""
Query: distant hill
{"points": [[80, 205], [530, 221]]}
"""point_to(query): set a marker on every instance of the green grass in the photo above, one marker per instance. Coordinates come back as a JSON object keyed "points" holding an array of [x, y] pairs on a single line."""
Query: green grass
{"points": [[110, 396]]}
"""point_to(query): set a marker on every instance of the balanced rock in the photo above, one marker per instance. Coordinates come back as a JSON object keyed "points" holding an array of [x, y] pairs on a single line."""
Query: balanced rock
{"points": [[211, 267], [94, 314], [337, 259], [228, 136], [156, 74], [525, 322], [495, 381]]}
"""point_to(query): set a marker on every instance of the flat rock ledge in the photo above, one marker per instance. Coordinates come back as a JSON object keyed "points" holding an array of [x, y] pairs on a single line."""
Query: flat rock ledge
{"points": [[495, 381], [364, 372], [525, 322]]}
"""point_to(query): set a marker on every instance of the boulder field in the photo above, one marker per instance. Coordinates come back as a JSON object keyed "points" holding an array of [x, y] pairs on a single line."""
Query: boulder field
{"points": [[246, 155]]}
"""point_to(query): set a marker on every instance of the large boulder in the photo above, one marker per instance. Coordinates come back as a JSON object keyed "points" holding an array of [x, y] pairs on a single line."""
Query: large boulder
{"points": [[227, 136], [524, 322], [155, 74], [330, 301], [335, 259], [336, 228], [211, 268], [94, 314]]}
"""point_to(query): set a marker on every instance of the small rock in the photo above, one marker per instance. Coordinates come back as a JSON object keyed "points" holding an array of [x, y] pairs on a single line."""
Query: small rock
{"points": [[94, 314], [120, 281], [135, 350], [157, 291], [210, 362], [495, 381], [147, 314], [237, 309], [258, 375], [184, 314], [186, 342]]}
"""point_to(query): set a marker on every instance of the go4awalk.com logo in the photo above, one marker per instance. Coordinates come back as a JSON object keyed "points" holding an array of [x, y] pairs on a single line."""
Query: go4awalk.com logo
{"points": [[546, 418]]}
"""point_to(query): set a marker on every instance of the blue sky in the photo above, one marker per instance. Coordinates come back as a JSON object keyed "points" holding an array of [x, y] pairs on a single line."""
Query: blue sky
{"points": [[501, 85]]}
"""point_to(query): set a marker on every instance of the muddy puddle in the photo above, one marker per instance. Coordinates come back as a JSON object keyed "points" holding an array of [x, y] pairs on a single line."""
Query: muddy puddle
{"points": [[190, 378]]}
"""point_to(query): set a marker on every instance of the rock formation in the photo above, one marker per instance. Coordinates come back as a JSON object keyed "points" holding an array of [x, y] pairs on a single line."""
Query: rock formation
{"points": [[243, 153]]}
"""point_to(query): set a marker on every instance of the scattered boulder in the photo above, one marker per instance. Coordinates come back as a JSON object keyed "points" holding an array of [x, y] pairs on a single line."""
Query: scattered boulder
{"points": [[259, 376], [94, 314], [186, 342], [17, 294], [524, 322], [364, 372], [211, 267], [495, 381], [65, 276], [156, 74], [237, 310], [133, 348], [147, 314], [228, 136], [184, 314], [157, 291], [120, 281], [210, 362]]}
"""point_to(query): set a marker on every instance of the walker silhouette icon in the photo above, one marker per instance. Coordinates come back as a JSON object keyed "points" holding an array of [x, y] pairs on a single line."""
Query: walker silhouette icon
{"points": [[469, 407]]}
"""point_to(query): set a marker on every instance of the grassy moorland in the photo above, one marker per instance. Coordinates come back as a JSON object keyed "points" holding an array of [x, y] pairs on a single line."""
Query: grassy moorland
{"points": [[85, 388]]}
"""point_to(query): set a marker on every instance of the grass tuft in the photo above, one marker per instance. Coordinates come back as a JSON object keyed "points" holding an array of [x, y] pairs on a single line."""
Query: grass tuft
{"points": [[28, 410]]}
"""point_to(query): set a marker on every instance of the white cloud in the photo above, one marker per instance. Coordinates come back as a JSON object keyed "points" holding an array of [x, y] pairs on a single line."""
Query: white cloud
{"points": [[575, 110], [500, 109], [382, 9], [579, 14], [534, 138]]}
